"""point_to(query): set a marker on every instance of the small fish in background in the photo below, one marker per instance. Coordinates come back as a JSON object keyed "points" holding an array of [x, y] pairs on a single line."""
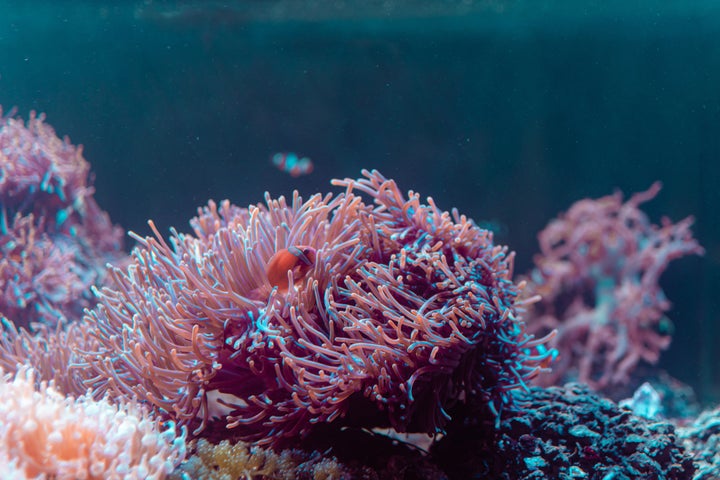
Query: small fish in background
{"points": [[290, 163]]}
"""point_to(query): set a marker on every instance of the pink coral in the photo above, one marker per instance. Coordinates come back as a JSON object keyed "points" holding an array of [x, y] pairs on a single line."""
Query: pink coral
{"points": [[598, 274], [45, 435], [39, 280], [40, 172], [54, 239]]}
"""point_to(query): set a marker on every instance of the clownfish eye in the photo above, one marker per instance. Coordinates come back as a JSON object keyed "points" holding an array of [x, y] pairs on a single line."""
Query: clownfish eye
{"points": [[304, 254]]}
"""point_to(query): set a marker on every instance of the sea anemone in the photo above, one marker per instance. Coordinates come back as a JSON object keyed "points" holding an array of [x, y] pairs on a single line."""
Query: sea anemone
{"points": [[399, 309]]}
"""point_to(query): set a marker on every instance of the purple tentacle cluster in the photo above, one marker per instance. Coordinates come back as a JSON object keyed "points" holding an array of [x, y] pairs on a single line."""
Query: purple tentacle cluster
{"points": [[54, 239], [405, 310]]}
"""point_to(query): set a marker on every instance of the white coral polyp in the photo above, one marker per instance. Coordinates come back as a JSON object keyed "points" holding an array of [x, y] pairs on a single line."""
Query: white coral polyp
{"points": [[44, 435]]}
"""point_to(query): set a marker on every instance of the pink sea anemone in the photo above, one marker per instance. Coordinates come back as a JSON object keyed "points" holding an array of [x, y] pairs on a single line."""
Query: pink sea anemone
{"points": [[398, 308], [368, 307]]}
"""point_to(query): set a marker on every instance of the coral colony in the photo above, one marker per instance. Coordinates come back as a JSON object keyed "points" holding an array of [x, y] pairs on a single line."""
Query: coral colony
{"points": [[598, 274], [210, 354], [54, 239], [44, 433]]}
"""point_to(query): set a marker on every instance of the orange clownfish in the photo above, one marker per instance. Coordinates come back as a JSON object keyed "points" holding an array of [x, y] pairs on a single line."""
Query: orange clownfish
{"points": [[298, 259]]}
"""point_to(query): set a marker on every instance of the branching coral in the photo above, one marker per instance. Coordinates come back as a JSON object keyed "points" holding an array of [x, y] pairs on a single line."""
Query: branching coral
{"points": [[405, 310], [45, 435], [598, 274]]}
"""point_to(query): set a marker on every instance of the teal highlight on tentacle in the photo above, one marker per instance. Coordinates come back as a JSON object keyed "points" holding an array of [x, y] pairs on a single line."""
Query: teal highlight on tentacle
{"points": [[61, 216]]}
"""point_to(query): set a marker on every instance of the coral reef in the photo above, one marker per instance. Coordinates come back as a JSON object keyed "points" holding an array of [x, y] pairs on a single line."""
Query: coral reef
{"points": [[44, 435], [598, 275], [287, 334], [54, 239], [565, 433], [702, 439], [278, 321]]}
